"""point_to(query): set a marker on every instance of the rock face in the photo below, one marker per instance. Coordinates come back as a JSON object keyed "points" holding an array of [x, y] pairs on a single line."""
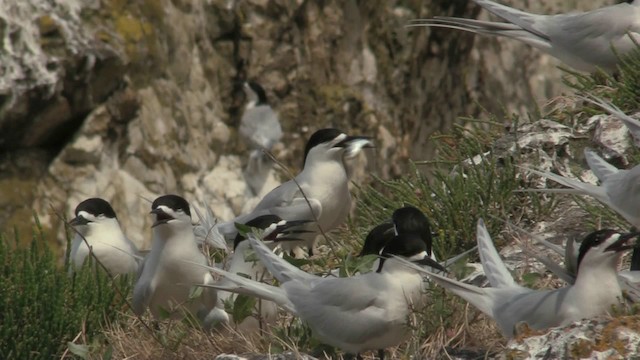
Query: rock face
{"points": [[129, 100]]}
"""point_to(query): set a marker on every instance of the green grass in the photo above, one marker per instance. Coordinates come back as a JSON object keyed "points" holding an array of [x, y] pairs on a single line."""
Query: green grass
{"points": [[42, 308]]}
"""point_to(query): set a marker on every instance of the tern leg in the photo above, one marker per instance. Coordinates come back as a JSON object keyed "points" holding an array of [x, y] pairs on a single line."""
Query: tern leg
{"points": [[381, 354]]}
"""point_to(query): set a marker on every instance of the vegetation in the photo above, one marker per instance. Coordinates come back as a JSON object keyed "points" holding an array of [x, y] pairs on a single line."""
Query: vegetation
{"points": [[46, 313], [43, 308]]}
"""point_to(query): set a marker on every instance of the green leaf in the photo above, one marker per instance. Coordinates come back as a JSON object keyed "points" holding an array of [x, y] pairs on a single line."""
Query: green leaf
{"points": [[243, 307], [79, 350], [243, 229], [195, 292], [530, 279]]}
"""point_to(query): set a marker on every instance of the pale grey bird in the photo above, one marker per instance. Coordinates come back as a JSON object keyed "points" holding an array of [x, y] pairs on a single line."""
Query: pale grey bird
{"points": [[595, 290], [96, 221], [359, 313], [629, 279], [166, 282], [260, 128], [320, 191], [582, 40], [619, 189], [259, 125]]}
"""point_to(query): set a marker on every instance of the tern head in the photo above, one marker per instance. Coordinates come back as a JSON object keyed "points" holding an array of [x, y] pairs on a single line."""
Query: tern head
{"points": [[260, 222], [603, 247], [333, 144], [411, 247], [276, 229], [91, 212], [410, 220], [170, 210], [377, 239], [406, 220], [255, 93]]}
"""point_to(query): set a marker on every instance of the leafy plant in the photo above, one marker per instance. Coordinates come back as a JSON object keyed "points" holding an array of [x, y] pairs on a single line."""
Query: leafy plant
{"points": [[43, 307]]}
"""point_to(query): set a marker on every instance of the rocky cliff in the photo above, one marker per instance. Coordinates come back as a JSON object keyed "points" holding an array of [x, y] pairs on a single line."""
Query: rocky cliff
{"points": [[130, 99]]}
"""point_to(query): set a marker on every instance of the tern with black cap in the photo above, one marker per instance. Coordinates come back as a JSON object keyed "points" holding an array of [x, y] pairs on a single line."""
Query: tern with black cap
{"points": [[595, 290], [319, 192], [96, 222], [166, 281]]}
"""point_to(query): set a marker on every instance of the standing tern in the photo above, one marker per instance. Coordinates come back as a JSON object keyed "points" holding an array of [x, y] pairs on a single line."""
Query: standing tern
{"points": [[97, 223], [320, 191], [583, 40], [260, 129], [259, 125], [165, 283], [595, 290], [359, 313]]}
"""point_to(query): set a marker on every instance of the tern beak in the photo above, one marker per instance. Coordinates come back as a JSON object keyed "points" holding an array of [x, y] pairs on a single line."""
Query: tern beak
{"points": [[621, 243], [161, 217]]}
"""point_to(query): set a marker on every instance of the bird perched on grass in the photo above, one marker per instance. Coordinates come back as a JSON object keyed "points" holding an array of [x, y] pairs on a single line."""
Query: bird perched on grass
{"points": [[595, 290], [359, 313], [99, 231], [320, 191], [168, 274]]}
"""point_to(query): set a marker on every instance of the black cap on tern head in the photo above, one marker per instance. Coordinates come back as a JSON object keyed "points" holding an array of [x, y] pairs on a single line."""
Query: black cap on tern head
{"points": [[410, 220], [377, 239], [598, 237], [174, 202], [260, 222], [319, 137], [96, 206], [262, 95]]}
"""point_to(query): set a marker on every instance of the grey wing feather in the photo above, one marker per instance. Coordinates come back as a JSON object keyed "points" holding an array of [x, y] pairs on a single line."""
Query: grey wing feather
{"points": [[324, 308], [494, 268], [524, 20], [598, 165], [277, 266], [142, 294], [252, 288]]}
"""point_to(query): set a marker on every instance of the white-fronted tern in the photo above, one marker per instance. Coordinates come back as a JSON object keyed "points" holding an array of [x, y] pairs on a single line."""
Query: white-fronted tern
{"points": [[96, 221], [165, 284], [596, 288], [359, 313], [583, 40], [320, 191]]}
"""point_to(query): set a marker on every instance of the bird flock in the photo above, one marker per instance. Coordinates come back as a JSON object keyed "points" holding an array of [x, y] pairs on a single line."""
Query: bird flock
{"points": [[370, 310]]}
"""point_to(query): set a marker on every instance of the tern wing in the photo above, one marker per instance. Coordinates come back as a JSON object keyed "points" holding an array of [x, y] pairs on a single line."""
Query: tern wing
{"points": [[242, 285], [280, 268], [598, 165], [532, 23], [623, 190], [576, 187], [346, 310], [494, 268]]}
